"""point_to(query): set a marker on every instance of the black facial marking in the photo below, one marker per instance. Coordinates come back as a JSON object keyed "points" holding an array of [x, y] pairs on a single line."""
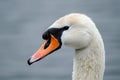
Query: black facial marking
{"points": [[56, 32]]}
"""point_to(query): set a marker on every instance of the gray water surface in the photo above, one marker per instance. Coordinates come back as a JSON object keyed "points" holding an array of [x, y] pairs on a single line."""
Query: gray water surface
{"points": [[22, 23]]}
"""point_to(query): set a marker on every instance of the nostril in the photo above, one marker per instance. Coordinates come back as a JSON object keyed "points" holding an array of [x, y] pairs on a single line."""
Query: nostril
{"points": [[47, 44]]}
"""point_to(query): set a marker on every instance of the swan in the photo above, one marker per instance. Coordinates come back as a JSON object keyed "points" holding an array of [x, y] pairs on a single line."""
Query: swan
{"points": [[78, 31]]}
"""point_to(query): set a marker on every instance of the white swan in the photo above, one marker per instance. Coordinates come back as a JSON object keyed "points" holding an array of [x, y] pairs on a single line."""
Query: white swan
{"points": [[77, 31]]}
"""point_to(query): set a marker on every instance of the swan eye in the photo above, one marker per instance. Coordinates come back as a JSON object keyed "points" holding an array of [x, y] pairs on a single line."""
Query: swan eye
{"points": [[66, 27]]}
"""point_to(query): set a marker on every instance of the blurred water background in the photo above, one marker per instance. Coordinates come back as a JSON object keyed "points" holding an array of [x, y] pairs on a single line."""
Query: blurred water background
{"points": [[22, 23]]}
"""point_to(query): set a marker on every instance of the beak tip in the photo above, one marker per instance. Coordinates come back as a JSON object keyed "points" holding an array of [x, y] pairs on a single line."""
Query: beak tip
{"points": [[29, 62]]}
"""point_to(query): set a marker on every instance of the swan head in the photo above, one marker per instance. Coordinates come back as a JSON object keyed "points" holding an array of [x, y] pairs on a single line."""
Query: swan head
{"points": [[74, 30]]}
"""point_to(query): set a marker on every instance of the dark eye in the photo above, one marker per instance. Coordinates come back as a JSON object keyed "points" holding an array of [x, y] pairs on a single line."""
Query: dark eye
{"points": [[66, 27]]}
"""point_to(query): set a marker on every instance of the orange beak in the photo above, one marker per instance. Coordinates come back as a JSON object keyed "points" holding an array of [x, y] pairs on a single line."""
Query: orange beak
{"points": [[48, 47]]}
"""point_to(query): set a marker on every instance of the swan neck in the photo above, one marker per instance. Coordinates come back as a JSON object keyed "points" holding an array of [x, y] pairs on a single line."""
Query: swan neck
{"points": [[88, 65]]}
